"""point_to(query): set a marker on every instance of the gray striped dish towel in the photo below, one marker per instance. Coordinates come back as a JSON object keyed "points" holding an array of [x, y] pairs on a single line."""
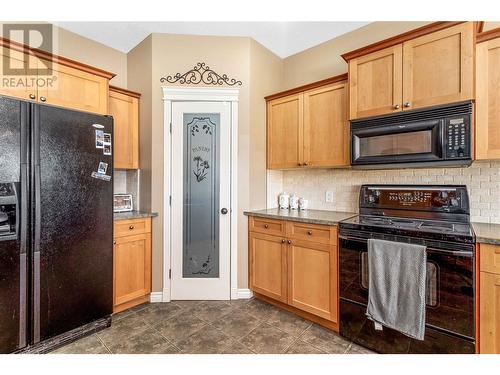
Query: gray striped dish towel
{"points": [[396, 292]]}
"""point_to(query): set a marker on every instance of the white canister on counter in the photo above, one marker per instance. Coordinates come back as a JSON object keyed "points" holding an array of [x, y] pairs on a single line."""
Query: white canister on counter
{"points": [[294, 202], [284, 201], [303, 204]]}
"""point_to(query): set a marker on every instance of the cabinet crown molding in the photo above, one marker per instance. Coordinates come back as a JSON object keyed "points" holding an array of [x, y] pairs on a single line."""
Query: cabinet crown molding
{"points": [[7, 43], [125, 91], [488, 35], [309, 86]]}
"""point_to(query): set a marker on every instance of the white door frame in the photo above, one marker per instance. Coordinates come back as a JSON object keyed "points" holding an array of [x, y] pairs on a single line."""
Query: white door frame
{"points": [[194, 94]]}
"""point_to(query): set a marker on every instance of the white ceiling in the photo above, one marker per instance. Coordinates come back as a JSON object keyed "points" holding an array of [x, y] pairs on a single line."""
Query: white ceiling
{"points": [[282, 38]]}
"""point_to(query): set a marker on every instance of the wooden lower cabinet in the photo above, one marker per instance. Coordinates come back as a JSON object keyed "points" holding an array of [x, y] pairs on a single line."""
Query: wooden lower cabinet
{"points": [[489, 299], [297, 274], [268, 266], [131, 265], [312, 278]]}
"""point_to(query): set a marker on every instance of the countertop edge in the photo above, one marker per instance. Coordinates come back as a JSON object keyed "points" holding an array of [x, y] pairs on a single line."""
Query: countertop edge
{"points": [[130, 215], [301, 219]]}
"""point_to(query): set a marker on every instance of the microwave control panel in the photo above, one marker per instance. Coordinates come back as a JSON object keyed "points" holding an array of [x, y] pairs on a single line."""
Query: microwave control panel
{"points": [[457, 137]]}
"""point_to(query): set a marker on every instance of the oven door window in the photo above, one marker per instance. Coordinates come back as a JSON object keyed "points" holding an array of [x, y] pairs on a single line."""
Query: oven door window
{"points": [[397, 143]]}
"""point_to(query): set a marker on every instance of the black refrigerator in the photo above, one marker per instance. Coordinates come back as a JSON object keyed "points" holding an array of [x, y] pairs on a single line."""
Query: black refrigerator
{"points": [[56, 225]]}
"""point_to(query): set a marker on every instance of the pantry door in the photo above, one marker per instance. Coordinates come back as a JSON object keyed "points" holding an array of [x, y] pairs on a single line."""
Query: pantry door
{"points": [[201, 199]]}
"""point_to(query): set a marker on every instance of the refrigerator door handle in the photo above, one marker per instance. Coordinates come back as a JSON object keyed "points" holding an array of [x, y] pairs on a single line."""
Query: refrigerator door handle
{"points": [[37, 223], [23, 256]]}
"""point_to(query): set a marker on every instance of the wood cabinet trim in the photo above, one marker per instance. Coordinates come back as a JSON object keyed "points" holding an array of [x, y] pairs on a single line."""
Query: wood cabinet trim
{"points": [[487, 117], [488, 35], [55, 58], [401, 38], [309, 86], [124, 91]]}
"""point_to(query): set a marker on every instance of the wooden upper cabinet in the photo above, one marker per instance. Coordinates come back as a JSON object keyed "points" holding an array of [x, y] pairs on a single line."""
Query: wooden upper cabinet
{"points": [[429, 66], [17, 60], [375, 83], [438, 67], [308, 126], [488, 100], [326, 126], [284, 132], [124, 107], [76, 89], [53, 79]]}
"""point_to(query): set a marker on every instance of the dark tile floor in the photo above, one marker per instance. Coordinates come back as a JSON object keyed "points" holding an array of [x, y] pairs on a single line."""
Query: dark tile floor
{"points": [[224, 327]]}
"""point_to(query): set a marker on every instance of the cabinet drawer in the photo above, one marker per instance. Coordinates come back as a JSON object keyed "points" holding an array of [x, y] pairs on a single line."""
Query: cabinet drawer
{"points": [[490, 258], [312, 232], [267, 226], [132, 227]]}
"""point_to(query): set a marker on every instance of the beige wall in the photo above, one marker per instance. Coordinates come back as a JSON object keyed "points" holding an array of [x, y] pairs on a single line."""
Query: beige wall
{"points": [[240, 58], [324, 60], [139, 78], [87, 51]]}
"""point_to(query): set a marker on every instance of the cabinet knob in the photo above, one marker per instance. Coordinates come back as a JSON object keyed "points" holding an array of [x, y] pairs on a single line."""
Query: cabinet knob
{"points": [[32, 96], [131, 227], [299, 164], [407, 104], [282, 241], [43, 98], [397, 106], [309, 232], [114, 242], [266, 226], [306, 163], [289, 242]]}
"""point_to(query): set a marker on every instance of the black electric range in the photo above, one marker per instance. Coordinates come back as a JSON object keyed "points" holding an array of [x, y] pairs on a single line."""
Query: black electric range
{"points": [[435, 216]]}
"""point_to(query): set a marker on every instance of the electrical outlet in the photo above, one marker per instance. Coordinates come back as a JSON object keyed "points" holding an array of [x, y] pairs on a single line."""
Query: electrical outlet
{"points": [[329, 197]]}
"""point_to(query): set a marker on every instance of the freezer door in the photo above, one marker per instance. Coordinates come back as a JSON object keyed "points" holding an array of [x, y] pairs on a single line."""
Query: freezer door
{"points": [[72, 220], [13, 224]]}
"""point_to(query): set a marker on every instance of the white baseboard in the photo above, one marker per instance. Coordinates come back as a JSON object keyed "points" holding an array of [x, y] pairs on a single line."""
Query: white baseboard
{"points": [[241, 294], [156, 297]]}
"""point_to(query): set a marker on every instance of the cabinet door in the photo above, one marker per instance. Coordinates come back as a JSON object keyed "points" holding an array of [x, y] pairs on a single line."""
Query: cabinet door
{"points": [[132, 268], [312, 278], [284, 132], [375, 83], [125, 112], [76, 89], [438, 67], [268, 264], [489, 313], [20, 85], [326, 126], [488, 100]]}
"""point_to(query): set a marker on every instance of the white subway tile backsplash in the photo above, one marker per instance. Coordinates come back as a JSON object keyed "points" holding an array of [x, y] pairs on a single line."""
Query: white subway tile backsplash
{"points": [[481, 178]]}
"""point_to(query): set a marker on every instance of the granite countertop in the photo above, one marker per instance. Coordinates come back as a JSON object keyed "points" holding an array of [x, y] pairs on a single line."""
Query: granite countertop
{"points": [[305, 216], [133, 215], [487, 233]]}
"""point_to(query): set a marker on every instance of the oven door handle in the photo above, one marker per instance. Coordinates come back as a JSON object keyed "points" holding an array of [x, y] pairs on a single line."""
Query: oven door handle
{"points": [[466, 254]]}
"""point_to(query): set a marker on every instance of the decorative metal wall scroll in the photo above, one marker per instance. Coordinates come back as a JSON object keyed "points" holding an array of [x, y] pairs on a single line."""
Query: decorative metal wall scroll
{"points": [[201, 73]]}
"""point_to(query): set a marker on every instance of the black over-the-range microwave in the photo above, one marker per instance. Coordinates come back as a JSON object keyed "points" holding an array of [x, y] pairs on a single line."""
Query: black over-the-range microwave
{"points": [[435, 136]]}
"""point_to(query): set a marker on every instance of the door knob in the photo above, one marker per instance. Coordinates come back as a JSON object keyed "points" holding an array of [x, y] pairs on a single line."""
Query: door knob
{"points": [[223, 211], [407, 104], [43, 98]]}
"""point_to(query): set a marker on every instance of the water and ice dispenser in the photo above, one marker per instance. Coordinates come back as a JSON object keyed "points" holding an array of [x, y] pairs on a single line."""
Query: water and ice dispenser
{"points": [[9, 211]]}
